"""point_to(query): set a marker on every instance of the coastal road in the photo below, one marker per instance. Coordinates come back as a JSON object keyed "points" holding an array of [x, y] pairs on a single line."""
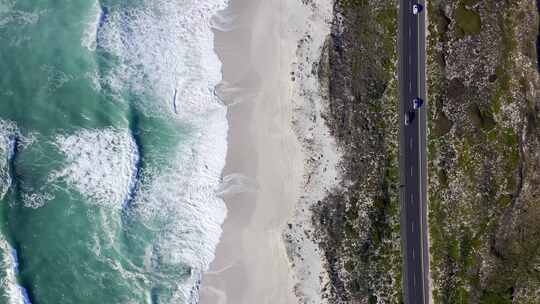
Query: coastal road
{"points": [[412, 79]]}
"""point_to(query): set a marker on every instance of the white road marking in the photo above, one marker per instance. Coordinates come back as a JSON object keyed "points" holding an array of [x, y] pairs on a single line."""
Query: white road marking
{"points": [[412, 228], [410, 143], [413, 256], [411, 171]]}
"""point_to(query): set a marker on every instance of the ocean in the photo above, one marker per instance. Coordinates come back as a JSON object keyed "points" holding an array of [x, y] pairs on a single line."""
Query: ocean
{"points": [[112, 143]]}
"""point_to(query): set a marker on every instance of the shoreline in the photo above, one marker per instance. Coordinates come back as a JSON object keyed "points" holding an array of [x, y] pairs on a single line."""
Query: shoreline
{"points": [[269, 50], [250, 264]]}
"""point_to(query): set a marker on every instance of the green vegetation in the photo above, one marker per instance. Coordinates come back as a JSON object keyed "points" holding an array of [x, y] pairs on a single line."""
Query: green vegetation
{"points": [[381, 252], [362, 221], [469, 2], [503, 70], [496, 298], [476, 168], [352, 4], [481, 118], [468, 21]]}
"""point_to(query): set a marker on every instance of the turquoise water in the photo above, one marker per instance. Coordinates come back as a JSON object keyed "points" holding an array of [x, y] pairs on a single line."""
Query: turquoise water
{"points": [[111, 147]]}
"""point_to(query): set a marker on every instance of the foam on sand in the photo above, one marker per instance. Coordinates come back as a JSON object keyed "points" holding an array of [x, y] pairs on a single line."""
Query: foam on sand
{"points": [[236, 183], [223, 21]]}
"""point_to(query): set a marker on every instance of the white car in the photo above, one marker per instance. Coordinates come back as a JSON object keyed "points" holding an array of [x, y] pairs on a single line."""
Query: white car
{"points": [[416, 8]]}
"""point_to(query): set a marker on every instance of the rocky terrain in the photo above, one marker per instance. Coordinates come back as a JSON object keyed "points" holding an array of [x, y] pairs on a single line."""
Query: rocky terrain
{"points": [[484, 151], [357, 224], [483, 145]]}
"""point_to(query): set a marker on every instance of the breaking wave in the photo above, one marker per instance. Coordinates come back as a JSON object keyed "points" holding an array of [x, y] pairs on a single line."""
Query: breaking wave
{"points": [[166, 69], [146, 185], [8, 133], [10, 290]]}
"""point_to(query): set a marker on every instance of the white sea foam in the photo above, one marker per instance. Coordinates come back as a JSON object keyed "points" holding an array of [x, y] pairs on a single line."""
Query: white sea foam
{"points": [[89, 34], [164, 46], [10, 15], [165, 51], [181, 203], [8, 282], [36, 200], [11, 140], [10, 290], [8, 135], [160, 47], [100, 164], [55, 78]]}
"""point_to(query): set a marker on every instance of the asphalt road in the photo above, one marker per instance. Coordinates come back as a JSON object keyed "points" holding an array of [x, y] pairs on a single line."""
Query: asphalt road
{"points": [[411, 43]]}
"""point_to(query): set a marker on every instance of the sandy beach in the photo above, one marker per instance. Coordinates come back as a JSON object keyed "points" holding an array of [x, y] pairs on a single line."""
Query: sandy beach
{"points": [[265, 173], [251, 265]]}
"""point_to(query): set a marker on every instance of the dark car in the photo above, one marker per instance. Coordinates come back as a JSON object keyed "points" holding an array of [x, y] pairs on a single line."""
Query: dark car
{"points": [[417, 103]]}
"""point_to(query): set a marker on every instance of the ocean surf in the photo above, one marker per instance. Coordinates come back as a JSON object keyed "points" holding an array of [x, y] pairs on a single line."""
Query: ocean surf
{"points": [[111, 150]]}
